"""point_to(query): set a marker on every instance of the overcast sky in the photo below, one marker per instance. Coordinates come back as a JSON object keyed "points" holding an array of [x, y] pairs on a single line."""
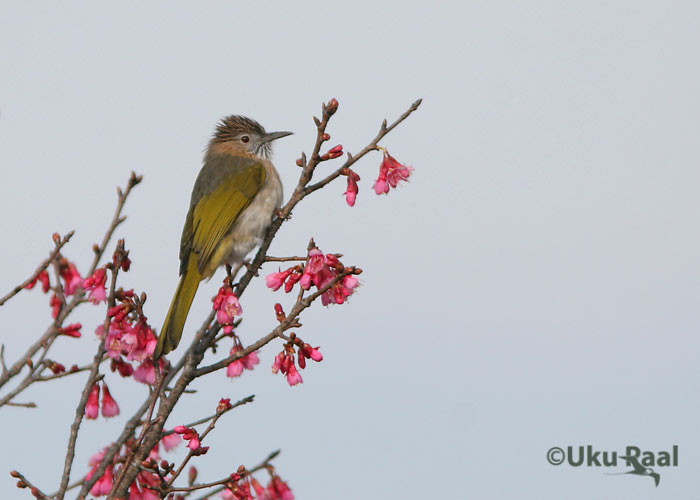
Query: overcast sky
{"points": [[535, 285]]}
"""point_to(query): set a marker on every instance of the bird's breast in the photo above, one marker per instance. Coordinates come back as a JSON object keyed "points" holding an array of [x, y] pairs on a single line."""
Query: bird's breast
{"points": [[249, 229]]}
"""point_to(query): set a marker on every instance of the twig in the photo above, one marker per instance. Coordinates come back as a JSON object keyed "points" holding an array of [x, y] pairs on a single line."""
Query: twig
{"points": [[248, 399], [78, 298], [135, 419], [262, 465], [116, 220], [383, 131], [57, 248], [283, 259], [92, 379], [23, 405], [25, 483]]}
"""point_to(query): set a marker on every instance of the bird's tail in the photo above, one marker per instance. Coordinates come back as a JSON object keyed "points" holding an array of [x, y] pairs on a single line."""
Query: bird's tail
{"points": [[179, 308]]}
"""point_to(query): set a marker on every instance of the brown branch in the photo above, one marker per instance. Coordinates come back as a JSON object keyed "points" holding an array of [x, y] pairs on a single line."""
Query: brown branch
{"points": [[247, 399], [24, 483], [289, 322], [92, 379], [78, 298], [209, 428], [135, 420], [283, 259], [383, 131], [262, 465], [57, 248], [116, 220]]}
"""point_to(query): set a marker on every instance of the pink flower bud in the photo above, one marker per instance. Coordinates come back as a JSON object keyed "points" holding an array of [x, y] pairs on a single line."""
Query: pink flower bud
{"points": [[109, 405], [92, 408]]}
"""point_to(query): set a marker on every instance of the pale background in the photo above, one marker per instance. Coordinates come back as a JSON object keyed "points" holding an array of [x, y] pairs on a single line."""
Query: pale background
{"points": [[536, 284]]}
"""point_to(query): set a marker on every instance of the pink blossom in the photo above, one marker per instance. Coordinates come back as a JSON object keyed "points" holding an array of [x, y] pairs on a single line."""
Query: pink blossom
{"points": [[72, 278], [234, 369], [276, 280], [293, 376], [292, 280], [353, 188], [43, 276], [71, 330], [171, 441], [56, 305], [95, 284], [146, 372], [109, 405], [278, 490], [227, 307], [103, 485], [92, 407], [311, 352], [121, 366], [339, 292], [391, 172], [259, 490], [192, 436], [248, 362], [334, 152]]}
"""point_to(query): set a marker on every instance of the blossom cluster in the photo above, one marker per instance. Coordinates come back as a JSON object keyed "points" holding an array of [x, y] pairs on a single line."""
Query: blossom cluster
{"points": [[320, 271], [245, 487], [143, 488], [295, 348], [110, 408], [227, 306]]}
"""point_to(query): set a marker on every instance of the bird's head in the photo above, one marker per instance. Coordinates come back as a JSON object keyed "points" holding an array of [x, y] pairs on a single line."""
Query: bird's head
{"points": [[241, 136]]}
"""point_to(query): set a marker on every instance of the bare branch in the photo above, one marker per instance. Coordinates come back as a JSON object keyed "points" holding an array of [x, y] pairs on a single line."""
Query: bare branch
{"points": [[57, 248]]}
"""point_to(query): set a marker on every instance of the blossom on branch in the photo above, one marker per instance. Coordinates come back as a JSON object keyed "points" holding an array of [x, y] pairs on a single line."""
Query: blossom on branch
{"points": [[95, 285], [227, 307], [72, 330], [248, 362], [191, 435], [353, 188], [110, 408], [71, 276], [391, 172], [92, 407], [43, 276]]}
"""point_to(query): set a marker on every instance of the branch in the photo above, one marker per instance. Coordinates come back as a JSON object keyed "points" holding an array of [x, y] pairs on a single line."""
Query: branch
{"points": [[383, 131], [92, 378], [78, 298], [59, 243]]}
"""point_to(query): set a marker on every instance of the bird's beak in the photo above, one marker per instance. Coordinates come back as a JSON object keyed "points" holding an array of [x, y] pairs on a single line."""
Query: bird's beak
{"points": [[272, 136]]}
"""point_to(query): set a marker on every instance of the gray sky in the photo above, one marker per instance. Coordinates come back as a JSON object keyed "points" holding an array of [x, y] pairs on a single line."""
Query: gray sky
{"points": [[535, 285]]}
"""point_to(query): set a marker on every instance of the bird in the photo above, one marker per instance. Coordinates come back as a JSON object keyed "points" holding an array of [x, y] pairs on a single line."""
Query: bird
{"points": [[235, 196], [639, 469]]}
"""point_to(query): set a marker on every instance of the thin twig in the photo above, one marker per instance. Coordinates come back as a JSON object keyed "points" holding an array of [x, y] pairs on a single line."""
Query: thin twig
{"points": [[383, 131], [57, 248], [283, 259], [25, 483], [92, 379], [262, 465]]}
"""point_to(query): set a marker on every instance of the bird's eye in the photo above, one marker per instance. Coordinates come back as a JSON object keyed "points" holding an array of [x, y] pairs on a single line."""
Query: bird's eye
{"points": [[245, 138]]}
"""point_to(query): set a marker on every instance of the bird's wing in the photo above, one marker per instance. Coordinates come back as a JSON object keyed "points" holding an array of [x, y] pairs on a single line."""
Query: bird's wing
{"points": [[638, 468], [224, 188]]}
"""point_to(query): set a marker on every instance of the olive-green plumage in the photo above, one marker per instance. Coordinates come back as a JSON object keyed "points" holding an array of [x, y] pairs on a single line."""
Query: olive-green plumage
{"points": [[233, 201]]}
